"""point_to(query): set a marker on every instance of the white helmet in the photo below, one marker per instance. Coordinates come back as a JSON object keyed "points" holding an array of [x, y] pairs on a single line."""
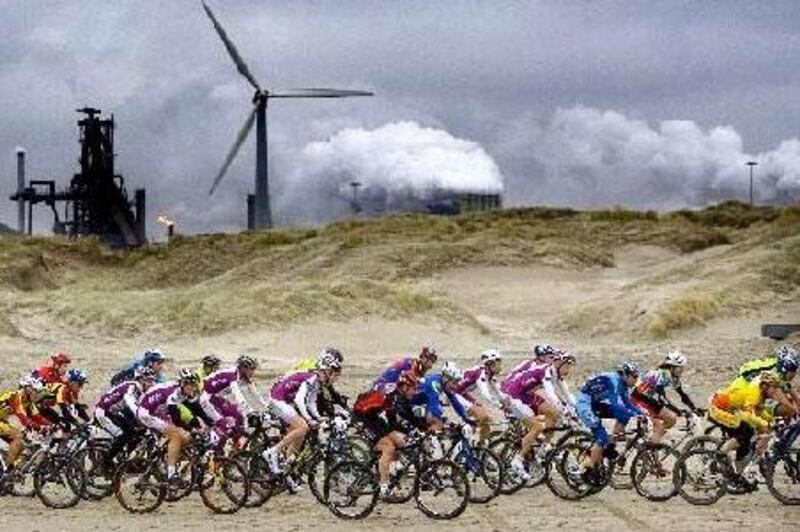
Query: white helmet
{"points": [[328, 361], [32, 380], [491, 355], [675, 359], [451, 371]]}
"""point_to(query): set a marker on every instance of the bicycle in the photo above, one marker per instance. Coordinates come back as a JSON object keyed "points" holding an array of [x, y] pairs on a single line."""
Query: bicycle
{"points": [[483, 468], [352, 487]]}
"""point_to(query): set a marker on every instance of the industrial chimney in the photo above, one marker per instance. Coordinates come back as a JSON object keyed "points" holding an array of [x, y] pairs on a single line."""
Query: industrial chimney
{"points": [[20, 188]]}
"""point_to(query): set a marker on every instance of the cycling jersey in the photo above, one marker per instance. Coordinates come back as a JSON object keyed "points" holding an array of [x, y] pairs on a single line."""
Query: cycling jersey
{"points": [[604, 395], [116, 408], [740, 401], [650, 393], [164, 404], [541, 376], [385, 413], [478, 378], [13, 404], [129, 372], [307, 364], [430, 390], [753, 368], [48, 374], [393, 372], [297, 391], [65, 407]]}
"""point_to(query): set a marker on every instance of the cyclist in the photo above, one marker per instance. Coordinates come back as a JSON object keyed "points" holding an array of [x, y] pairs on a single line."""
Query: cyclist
{"points": [[650, 394], [66, 399], [420, 366], [606, 396], [209, 364], [55, 369], [482, 377], [388, 415], [20, 404], [158, 409], [294, 401], [540, 354], [226, 415], [152, 358], [431, 388], [115, 412], [540, 391], [784, 367], [738, 409]]}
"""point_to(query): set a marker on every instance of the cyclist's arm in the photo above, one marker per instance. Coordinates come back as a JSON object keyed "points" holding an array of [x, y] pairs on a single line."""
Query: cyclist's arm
{"points": [[208, 408], [489, 391], [306, 401], [685, 399], [239, 398]]}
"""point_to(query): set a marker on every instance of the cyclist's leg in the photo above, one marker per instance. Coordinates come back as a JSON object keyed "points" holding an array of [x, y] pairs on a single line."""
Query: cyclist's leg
{"points": [[15, 443], [177, 439], [664, 420], [295, 435], [551, 415], [594, 423]]}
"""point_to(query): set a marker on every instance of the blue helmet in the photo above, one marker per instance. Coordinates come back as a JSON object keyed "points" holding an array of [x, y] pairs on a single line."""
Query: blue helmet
{"points": [[153, 356], [76, 375]]}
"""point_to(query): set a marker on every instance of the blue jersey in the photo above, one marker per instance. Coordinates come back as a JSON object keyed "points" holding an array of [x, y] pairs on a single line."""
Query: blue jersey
{"points": [[127, 373], [393, 372], [431, 388], [610, 388]]}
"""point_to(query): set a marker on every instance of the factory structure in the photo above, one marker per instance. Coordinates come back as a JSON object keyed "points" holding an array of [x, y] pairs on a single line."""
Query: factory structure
{"points": [[96, 201]]}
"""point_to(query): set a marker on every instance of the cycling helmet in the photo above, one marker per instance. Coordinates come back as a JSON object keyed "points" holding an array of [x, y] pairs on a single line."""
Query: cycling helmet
{"points": [[186, 376], [428, 353], [786, 351], [407, 378], [32, 381], [675, 359], [787, 364], [491, 355], [629, 368], [451, 371], [61, 358], [565, 357], [246, 362], [332, 351], [154, 356], [544, 350], [76, 375], [328, 361], [144, 373], [211, 360]]}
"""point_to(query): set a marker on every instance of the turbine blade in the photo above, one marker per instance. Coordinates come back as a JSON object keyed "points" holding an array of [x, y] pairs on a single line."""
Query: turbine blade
{"points": [[241, 66], [237, 144], [318, 93]]}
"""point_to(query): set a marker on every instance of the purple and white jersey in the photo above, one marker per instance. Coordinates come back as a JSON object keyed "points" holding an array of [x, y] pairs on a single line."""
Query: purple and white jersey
{"points": [[478, 378], [114, 398], [519, 384], [155, 400], [469, 380], [220, 381], [287, 386]]}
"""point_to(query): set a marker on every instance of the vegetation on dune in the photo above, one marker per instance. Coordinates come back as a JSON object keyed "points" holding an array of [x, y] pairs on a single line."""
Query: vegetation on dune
{"points": [[358, 268]]}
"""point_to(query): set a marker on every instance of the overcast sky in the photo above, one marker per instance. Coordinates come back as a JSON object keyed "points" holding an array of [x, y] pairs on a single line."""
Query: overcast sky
{"points": [[647, 104]]}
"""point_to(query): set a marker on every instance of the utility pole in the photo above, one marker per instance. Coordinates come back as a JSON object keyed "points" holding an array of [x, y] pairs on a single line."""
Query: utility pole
{"points": [[356, 206], [751, 164]]}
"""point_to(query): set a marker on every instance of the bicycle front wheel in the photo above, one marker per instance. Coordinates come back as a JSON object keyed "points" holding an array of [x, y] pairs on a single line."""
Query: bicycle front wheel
{"points": [[700, 476], [224, 487], [139, 486], [351, 489], [59, 482], [651, 472], [442, 490], [783, 477]]}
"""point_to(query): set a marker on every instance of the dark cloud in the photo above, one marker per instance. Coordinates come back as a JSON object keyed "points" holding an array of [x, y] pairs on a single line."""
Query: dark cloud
{"points": [[490, 72]]}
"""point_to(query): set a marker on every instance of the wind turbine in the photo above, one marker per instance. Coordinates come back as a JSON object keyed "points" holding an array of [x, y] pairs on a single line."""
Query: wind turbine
{"points": [[262, 218]]}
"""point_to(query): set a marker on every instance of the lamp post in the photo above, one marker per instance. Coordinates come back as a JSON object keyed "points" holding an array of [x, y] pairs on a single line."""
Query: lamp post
{"points": [[751, 164], [356, 206]]}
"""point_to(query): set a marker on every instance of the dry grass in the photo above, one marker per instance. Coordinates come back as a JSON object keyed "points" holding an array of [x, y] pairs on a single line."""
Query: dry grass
{"points": [[689, 311], [357, 268]]}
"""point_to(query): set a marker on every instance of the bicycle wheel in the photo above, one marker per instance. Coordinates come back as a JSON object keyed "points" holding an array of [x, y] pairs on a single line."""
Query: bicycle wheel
{"points": [[402, 482], [139, 486], [98, 476], [260, 478], [505, 450], [183, 481], [22, 477], [700, 476], [622, 472], [224, 487], [59, 482], [351, 489], [651, 472], [565, 470], [783, 477], [442, 490], [484, 472]]}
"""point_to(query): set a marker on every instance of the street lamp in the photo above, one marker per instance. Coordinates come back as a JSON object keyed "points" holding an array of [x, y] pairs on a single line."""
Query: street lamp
{"points": [[751, 164]]}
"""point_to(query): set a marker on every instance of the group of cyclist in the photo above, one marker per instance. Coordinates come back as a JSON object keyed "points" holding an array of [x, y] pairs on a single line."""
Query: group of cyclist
{"points": [[408, 396]]}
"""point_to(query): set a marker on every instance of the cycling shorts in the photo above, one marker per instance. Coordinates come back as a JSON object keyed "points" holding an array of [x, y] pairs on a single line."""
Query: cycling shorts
{"points": [[283, 410]]}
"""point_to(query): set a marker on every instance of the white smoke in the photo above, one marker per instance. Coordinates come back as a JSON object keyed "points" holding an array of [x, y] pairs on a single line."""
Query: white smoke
{"points": [[394, 163], [585, 156]]}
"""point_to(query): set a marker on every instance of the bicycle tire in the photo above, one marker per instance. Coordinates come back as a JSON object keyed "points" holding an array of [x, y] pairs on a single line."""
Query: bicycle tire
{"points": [[231, 478], [682, 477], [789, 464], [650, 460], [60, 470], [347, 481], [99, 483], [259, 476], [511, 482], [488, 473], [435, 476], [147, 479]]}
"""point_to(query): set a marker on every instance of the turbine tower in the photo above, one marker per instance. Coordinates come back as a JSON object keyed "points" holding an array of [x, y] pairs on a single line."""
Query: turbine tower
{"points": [[262, 218]]}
